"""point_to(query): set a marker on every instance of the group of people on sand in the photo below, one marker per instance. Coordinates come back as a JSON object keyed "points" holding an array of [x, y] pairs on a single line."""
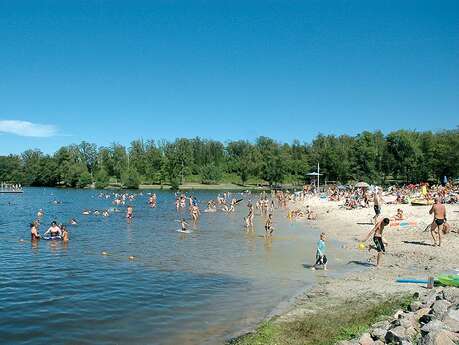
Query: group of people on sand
{"points": [[438, 227]]}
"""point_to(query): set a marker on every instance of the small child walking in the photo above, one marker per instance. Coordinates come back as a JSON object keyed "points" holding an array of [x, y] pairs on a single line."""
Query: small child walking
{"points": [[321, 258]]}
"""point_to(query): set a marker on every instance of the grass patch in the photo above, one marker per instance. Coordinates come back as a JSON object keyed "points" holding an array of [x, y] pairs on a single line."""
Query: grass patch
{"points": [[343, 322]]}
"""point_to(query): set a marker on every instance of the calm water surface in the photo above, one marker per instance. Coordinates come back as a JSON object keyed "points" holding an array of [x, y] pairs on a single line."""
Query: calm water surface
{"points": [[197, 288]]}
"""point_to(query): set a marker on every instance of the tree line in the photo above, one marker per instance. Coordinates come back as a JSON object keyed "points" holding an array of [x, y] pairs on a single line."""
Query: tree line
{"points": [[400, 156]]}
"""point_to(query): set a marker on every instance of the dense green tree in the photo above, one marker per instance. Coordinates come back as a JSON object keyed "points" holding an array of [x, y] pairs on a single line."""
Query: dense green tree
{"points": [[403, 156], [130, 178], [84, 180], [210, 173], [101, 179]]}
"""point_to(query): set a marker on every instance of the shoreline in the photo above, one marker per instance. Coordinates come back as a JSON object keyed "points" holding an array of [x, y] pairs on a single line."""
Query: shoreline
{"points": [[409, 255]]}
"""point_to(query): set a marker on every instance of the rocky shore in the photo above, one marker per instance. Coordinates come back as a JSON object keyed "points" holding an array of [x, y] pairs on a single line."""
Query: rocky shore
{"points": [[432, 319]]}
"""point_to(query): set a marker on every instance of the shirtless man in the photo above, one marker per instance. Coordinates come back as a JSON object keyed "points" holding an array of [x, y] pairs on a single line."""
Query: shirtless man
{"points": [[439, 212], [377, 201], [380, 243]]}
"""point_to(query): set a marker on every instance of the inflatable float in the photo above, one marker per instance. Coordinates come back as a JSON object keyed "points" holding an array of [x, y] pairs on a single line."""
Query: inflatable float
{"points": [[421, 202], [52, 238]]}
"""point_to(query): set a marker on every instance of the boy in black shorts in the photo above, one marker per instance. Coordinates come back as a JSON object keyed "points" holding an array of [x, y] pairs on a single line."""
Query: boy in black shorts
{"points": [[380, 243]]}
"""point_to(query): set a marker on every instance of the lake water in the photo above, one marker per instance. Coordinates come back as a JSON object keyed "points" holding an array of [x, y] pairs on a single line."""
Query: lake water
{"points": [[197, 288]]}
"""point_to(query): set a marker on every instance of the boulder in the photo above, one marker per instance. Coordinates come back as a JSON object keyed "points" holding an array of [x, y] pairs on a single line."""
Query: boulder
{"points": [[382, 324], [379, 342], [451, 319], [366, 339], [398, 313], [433, 326], [416, 305], [440, 308], [429, 299], [441, 337], [451, 294], [409, 320], [421, 312], [396, 335], [378, 333]]}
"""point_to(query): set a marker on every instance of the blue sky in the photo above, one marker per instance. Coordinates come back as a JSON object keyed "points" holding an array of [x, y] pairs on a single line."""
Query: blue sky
{"points": [[105, 71]]}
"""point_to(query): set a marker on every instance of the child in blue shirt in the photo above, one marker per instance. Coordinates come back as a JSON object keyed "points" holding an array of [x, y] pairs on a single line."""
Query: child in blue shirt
{"points": [[321, 258]]}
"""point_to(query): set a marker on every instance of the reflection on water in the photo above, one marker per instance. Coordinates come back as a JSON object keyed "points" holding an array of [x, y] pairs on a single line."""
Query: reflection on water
{"points": [[178, 288]]}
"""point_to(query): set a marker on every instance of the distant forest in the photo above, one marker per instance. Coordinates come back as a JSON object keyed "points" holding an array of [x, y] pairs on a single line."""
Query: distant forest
{"points": [[401, 156]]}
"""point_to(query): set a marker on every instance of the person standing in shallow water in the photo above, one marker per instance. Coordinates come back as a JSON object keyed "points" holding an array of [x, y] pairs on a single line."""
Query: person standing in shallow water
{"points": [[34, 235], [130, 212], [321, 258]]}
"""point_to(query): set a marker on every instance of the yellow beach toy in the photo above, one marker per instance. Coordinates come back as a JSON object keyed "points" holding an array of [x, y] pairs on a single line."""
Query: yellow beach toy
{"points": [[361, 246]]}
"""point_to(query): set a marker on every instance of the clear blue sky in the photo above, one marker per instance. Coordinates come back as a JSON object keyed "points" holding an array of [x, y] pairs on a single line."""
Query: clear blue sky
{"points": [[105, 71]]}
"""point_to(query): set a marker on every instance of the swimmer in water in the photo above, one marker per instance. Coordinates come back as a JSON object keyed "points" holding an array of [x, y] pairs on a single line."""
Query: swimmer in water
{"points": [[195, 213], [183, 224], [34, 235], [269, 225], [40, 213], [130, 212], [105, 213], [86, 212], [65, 233]]}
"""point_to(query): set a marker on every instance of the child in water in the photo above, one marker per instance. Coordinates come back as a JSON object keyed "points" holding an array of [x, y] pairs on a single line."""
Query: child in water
{"points": [[183, 224], [321, 258]]}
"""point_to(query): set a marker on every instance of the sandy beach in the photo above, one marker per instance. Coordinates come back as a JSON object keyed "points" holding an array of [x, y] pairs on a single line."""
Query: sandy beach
{"points": [[410, 254]]}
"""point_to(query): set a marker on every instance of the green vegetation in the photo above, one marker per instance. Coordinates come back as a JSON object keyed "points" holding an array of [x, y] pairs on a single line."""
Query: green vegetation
{"points": [[403, 156], [327, 327]]}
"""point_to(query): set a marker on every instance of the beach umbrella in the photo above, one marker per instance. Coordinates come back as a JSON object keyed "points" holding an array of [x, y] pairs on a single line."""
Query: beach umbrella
{"points": [[362, 185]]}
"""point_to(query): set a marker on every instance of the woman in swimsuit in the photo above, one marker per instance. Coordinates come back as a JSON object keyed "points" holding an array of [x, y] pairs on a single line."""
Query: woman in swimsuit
{"points": [[34, 235]]}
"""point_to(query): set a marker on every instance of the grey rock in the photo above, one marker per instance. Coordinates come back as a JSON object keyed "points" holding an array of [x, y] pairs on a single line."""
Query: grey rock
{"points": [[440, 308], [396, 335], [416, 305], [451, 294], [433, 326], [429, 299], [441, 337], [382, 324], [398, 313], [366, 339], [451, 319], [345, 342], [379, 342], [420, 313], [378, 333], [409, 320]]}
